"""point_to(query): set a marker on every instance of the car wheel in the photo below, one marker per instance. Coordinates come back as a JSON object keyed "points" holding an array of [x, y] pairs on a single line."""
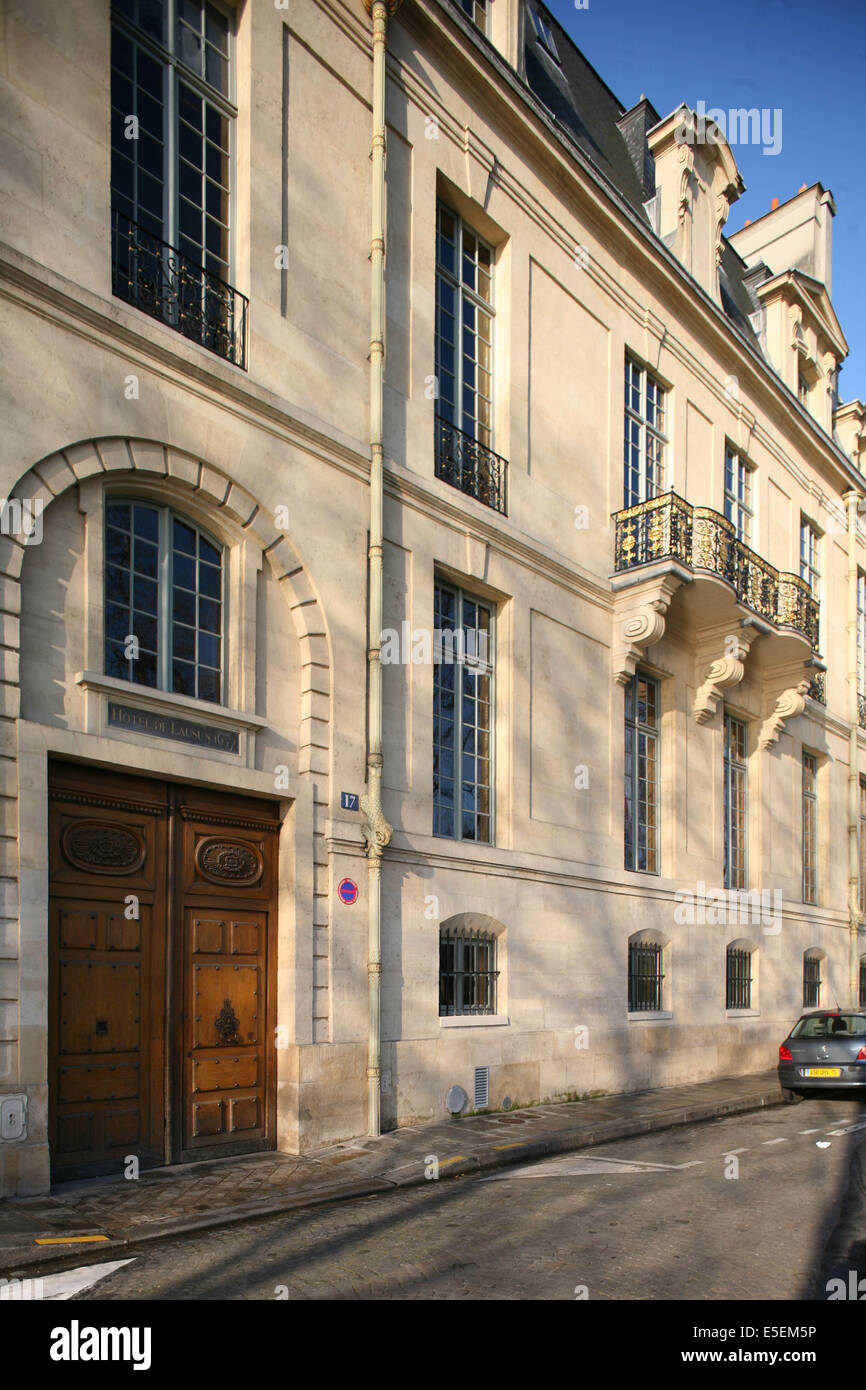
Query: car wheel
{"points": [[790, 1097]]}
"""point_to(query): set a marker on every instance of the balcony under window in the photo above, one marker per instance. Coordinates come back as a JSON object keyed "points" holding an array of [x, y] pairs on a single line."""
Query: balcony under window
{"points": [[701, 541]]}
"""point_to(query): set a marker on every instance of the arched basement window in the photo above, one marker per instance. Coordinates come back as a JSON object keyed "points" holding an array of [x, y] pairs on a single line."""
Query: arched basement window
{"points": [[164, 601]]}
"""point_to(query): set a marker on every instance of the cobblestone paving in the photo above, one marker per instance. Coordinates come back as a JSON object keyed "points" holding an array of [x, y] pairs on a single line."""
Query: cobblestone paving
{"points": [[674, 1232], [124, 1207]]}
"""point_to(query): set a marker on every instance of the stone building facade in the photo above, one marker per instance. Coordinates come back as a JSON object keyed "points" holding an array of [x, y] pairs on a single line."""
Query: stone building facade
{"points": [[648, 702]]}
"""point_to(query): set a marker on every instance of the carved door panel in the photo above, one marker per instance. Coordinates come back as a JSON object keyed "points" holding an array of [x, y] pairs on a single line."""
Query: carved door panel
{"points": [[161, 972], [226, 884], [106, 976]]}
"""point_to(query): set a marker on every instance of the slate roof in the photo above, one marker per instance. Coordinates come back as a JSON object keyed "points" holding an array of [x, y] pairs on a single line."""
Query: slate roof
{"points": [[588, 113]]}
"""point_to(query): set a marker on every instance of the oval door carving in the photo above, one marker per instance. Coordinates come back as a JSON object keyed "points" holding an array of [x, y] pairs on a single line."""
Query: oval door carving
{"points": [[104, 849], [229, 861]]}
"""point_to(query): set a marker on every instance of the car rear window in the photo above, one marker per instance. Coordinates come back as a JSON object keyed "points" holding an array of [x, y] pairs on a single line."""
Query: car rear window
{"points": [[830, 1026]]}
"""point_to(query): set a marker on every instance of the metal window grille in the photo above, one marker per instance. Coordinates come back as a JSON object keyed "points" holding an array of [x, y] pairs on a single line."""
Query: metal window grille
{"points": [[467, 972], [462, 716], [736, 811], [470, 466], [645, 977], [738, 495], [739, 978], [811, 982], [645, 439], [482, 1088], [863, 982], [810, 828], [641, 774], [163, 588]]}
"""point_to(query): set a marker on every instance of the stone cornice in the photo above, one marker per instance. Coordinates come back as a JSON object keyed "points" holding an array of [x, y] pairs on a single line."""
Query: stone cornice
{"points": [[790, 286], [165, 353], [504, 864], [412, 491]]}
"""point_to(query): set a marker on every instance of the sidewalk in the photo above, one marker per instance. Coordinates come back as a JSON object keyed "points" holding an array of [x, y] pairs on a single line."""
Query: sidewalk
{"points": [[192, 1197]]}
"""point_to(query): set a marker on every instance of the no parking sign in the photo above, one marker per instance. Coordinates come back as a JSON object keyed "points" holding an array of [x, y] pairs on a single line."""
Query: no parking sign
{"points": [[348, 891]]}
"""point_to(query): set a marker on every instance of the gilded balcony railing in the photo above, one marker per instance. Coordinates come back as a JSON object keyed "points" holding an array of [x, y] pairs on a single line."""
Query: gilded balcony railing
{"points": [[818, 687], [668, 528], [655, 530]]}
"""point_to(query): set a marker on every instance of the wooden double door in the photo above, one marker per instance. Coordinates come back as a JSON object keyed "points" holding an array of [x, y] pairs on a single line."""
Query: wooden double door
{"points": [[162, 972]]}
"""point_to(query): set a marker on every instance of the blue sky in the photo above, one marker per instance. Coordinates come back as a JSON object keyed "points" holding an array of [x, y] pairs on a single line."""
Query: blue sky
{"points": [[809, 59]]}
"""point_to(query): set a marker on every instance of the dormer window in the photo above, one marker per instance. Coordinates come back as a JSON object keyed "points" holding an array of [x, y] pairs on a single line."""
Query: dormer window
{"points": [[544, 34], [802, 390], [476, 11]]}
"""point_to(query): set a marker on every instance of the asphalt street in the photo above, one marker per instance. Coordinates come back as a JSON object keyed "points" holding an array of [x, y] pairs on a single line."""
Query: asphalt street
{"points": [[739, 1208]]}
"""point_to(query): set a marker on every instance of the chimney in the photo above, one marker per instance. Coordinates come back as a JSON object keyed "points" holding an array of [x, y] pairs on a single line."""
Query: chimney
{"points": [[633, 127]]}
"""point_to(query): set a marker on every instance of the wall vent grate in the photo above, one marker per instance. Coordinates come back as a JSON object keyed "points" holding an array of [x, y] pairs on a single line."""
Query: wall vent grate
{"points": [[482, 1087]]}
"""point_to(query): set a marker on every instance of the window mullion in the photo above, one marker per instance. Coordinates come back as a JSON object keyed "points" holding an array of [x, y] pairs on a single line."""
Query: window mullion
{"points": [[165, 599], [458, 346]]}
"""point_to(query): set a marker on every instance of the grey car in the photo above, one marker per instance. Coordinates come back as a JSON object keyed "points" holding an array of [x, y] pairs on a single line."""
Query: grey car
{"points": [[825, 1050]]}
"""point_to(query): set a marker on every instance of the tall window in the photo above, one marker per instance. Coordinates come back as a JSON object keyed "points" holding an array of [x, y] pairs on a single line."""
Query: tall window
{"points": [[810, 828], [738, 495], [811, 980], [863, 982], [467, 971], [462, 715], [464, 326], [862, 846], [171, 136], [645, 438], [641, 774], [738, 993], [645, 976], [163, 601], [810, 557], [736, 782], [861, 632]]}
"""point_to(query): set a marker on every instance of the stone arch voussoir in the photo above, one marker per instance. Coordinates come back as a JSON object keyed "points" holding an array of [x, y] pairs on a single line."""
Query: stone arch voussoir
{"points": [[224, 496]]}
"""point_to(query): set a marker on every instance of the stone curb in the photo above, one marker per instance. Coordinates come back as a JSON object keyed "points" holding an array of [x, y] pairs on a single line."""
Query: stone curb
{"points": [[570, 1141]]}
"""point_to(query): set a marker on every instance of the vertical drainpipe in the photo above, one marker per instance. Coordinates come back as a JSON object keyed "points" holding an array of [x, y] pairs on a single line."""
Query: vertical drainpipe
{"points": [[851, 499], [377, 831]]}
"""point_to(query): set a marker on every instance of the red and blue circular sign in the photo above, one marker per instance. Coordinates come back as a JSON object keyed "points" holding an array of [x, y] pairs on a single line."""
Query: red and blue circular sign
{"points": [[348, 891]]}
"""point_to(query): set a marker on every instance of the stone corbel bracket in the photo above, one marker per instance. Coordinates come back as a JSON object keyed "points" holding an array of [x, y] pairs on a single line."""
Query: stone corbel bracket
{"points": [[724, 672], [790, 703], [642, 624]]}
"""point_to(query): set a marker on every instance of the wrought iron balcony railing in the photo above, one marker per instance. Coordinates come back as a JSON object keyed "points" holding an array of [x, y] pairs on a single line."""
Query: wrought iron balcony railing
{"points": [[470, 466], [668, 528], [861, 711], [162, 282]]}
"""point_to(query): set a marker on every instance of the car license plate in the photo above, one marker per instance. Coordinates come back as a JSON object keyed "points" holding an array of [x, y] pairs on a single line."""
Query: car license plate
{"points": [[822, 1071]]}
